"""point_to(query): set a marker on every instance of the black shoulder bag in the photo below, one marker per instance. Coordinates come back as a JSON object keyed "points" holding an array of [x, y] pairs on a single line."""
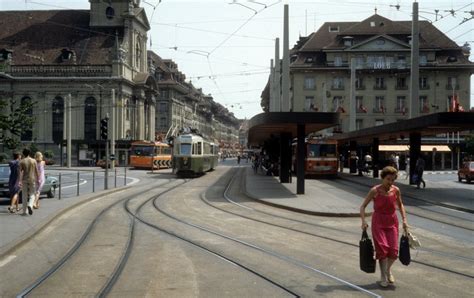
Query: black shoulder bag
{"points": [[366, 254], [404, 251]]}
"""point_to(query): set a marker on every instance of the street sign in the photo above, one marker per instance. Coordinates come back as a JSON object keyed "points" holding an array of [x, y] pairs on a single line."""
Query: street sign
{"points": [[162, 163], [112, 157]]}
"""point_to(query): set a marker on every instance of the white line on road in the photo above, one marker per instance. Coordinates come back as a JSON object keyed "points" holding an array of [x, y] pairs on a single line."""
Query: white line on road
{"points": [[75, 185], [7, 260], [134, 180]]}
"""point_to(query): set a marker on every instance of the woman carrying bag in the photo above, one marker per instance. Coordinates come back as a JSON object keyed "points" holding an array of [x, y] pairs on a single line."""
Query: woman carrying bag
{"points": [[386, 197]]}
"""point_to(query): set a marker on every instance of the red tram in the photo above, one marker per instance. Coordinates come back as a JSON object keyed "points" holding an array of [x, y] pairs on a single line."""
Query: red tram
{"points": [[321, 158]]}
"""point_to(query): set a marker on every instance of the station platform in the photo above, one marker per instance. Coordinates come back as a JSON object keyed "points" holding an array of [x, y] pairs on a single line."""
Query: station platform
{"points": [[333, 197]]}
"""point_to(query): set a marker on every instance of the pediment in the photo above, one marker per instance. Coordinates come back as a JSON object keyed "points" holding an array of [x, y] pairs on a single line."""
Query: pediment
{"points": [[140, 16], [381, 42]]}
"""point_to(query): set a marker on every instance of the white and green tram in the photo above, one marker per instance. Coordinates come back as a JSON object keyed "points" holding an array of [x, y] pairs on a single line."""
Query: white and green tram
{"points": [[193, 155]]}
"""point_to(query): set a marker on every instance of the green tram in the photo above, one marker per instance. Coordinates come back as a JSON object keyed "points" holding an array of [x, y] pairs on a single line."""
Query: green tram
{"points": [[193, 155]]}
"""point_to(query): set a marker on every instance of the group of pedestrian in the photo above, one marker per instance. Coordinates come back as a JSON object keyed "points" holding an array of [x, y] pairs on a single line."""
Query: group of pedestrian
{"points": [[26, 178]]}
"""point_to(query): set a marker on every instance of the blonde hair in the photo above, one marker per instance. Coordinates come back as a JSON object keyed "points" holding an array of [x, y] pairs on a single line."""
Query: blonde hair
{"points": [[38, 156], [389, 170]]}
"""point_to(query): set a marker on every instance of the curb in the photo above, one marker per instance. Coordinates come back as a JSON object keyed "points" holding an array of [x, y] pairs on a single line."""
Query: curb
{"points": [[8, 248], [317, 213]]}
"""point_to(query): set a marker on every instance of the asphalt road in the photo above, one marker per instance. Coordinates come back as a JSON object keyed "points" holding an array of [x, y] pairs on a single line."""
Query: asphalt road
{"points": [[186, 239]]}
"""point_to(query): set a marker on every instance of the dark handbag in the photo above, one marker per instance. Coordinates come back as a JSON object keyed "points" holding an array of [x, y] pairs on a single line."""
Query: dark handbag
{"points": [[404, 251], [366, 254]]}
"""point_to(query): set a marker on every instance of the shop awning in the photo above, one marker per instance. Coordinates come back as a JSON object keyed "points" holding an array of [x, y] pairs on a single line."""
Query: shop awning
{"points": [[424, 148]]}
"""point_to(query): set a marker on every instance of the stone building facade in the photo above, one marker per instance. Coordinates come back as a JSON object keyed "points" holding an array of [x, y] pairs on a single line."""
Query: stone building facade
{"points": [[97, 61], [180, 104], [85, 56], [320, 71]]}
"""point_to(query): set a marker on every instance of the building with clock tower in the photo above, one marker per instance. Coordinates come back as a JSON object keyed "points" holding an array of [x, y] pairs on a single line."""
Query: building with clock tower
{"points": [[94, 61]]}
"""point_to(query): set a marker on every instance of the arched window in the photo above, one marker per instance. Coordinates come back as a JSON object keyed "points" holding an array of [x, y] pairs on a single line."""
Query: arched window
{"points": [[90, 119], [27, 135], [138, 53], [58, 119]]}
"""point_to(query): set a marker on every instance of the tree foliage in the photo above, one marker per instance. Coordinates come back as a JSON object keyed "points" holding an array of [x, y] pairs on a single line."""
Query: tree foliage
{"points": [[15, 120]]}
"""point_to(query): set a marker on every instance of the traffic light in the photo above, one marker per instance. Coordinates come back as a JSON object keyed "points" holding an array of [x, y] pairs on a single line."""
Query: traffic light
{"points": [[104, 128]]}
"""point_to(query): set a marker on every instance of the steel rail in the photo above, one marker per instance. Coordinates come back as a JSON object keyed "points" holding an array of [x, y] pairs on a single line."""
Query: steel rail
{"points": [[269, 252], [226, 197], [210, 251], [26, 291]]}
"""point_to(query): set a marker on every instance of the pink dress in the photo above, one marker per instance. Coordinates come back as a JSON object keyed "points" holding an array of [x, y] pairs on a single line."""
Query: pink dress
{"points": [[385, 224], [41, 178]]}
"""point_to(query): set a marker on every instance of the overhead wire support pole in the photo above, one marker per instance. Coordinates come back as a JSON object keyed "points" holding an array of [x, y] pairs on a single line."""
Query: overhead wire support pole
{"points": [[414, 64], [68, 132]]}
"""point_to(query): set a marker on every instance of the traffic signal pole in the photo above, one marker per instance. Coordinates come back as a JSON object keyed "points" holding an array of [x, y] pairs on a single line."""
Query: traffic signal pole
{"points": [[112, 131], [106, 177], [104, 135]]}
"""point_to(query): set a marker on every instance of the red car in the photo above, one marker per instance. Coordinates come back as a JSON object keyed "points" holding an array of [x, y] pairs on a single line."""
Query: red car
{"points": [[466, 171]]}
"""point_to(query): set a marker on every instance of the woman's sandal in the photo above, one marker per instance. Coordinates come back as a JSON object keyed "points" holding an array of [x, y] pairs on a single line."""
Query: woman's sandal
{"points": [[11, 210], [390, 278]]}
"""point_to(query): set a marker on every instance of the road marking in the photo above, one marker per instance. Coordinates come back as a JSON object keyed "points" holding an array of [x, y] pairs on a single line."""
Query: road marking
{"points": [[134, 180], [7, 260], [75, 185]]}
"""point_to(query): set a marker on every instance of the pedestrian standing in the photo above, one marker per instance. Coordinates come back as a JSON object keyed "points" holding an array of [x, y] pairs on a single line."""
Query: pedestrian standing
{"points": [[341, 163], [397, 162], [28, 180], [420, 168], [386, 197], [40, 166], [407, 168], [13, 182]]}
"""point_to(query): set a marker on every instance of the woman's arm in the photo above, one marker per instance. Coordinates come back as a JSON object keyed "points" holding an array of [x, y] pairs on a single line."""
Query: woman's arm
{"points": [[401, 208], [368, 198]]}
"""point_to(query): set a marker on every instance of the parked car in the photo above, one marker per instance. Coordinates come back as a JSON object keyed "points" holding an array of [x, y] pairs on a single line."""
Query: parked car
{"points": [[101, 163], [49, 187], [466, 171]]}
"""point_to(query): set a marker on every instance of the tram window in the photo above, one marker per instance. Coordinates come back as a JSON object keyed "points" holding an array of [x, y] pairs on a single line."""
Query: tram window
{"points": [[207, 148], [321, 150], [165, 150], [142, 150], [185, 149], [199, 148]]}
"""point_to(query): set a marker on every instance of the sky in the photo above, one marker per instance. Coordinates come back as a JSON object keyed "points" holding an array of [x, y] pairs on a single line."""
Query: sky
{"points": [[225, 46]]}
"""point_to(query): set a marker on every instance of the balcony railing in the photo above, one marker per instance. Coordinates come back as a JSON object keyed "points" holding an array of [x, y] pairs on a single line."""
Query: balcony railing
{"points": [[401, 110], [399, 87], [61, 70], [450, 87], [380, 87]]}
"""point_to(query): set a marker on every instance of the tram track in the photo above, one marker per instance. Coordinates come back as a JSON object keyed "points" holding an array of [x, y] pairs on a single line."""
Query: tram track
{"points": [[75, 248], [204, 248], [120, 265], [267, 251], [227, 198]]}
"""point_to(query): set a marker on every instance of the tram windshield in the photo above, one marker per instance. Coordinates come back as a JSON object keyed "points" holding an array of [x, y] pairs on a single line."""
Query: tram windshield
{"points": [[321, 150], [143, 150], [185, 149]]}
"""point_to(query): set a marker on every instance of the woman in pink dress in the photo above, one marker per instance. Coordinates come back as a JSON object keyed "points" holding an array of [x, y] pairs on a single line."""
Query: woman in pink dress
{"points": [[40, 166], [386, 197]]}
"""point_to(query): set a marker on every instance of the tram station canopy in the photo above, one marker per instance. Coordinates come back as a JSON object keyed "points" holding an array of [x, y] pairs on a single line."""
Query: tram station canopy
{"points": [[263, 125], [405, 148], [429, 125]]}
